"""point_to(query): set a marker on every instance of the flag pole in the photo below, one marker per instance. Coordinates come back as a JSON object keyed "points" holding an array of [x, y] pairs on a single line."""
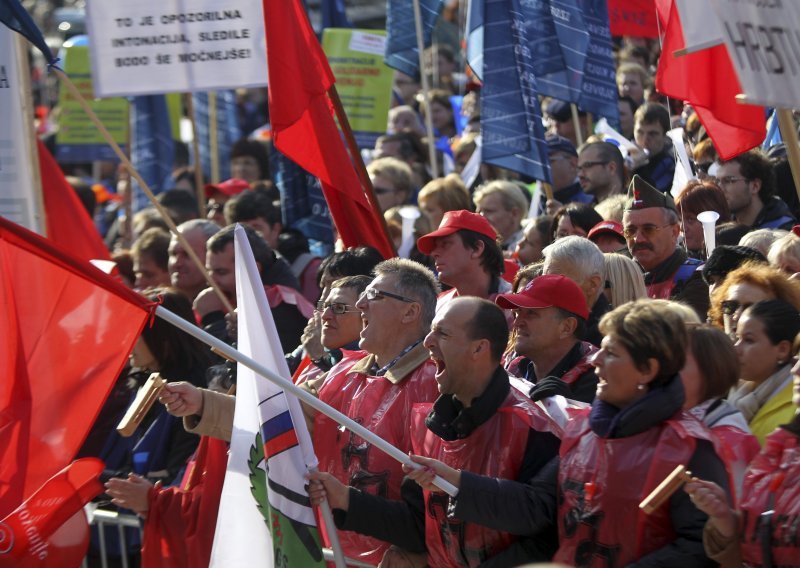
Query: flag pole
{"points": [[789, 134], [576, 120], [301, 394], [425, 91], [358, 162], [145, 188], [336, 547], [198, 169]]}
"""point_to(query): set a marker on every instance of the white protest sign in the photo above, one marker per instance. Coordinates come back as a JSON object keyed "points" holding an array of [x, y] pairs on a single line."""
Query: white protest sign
{"points": [[20, 197], [763, 40], [164, 46], [701, 28]]}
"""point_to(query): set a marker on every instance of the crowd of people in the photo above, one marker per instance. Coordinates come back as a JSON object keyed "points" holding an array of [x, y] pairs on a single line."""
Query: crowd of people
{"points": [[553, 363]]}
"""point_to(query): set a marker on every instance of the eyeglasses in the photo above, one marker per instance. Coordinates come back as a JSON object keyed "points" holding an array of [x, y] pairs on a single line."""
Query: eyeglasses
{"points": [[648, 230], [730, 307], [730, 180], [372, 294], [587, 165], [337, 308]]}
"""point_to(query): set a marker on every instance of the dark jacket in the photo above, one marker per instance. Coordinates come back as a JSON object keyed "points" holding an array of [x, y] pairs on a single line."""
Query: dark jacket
{"points": [[530, 508], [582, 389], [600, 308], [573, 194], [774, 215], [692, 291], [660, 168], [402, 523]]}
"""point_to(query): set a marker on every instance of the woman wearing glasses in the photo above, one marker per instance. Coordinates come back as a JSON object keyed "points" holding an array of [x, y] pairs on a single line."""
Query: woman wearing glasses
{"points": [[743, 287], [764, 336]]}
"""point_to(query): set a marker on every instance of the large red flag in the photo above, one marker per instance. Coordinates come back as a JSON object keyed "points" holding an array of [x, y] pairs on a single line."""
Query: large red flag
{"points": [[49, 530], [303, 127], [180, 525], [633, 18], [66, 330], [68, 222], [708, 81]]}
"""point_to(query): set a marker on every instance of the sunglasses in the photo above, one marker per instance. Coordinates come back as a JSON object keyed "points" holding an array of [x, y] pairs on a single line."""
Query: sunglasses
{"points": [[730, 307], [372, 294], [648, 230], [337, 308]]}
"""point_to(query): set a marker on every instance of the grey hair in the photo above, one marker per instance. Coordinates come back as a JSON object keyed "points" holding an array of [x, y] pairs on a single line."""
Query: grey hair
{"points": [[413, 281], [581, 253], [208, 228]]}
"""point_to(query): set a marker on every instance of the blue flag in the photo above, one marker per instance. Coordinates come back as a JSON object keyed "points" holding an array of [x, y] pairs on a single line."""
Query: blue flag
{"points": [[599, 90], [13, 15], [303, 204], [511, 120], [773, 132], [228, 131], [334, 14], [401, 41], [152, 146]]}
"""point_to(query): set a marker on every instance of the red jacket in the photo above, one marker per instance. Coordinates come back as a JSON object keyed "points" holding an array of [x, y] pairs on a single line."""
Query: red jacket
{"points": [[383, 405]]}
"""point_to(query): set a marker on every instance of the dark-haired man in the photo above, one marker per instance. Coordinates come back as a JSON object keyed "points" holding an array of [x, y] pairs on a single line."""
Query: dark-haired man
{"points": [[466, 255], [748, 183], [656, 164]]}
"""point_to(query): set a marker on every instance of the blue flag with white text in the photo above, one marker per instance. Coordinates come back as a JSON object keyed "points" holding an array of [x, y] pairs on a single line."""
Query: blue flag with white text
{"points": [[13, 15], [401, 39], [599, 90], [511, 120], [152, 146]]}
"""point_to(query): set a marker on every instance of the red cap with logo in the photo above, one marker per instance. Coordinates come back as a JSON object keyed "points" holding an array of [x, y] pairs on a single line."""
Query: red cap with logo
{"points": [[229, 187], [612, 227], [452, 222], [548, 291]]}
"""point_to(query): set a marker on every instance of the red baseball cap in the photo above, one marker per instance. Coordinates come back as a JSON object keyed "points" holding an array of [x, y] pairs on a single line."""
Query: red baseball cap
{"points": [[796, 230], [548, 291], [452, 222], [606, 227], [229, 187]]}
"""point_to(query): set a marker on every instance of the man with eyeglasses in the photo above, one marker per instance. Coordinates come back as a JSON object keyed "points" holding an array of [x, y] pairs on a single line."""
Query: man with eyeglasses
{"points": [[601, 170], [748, 182], [391, 182], [379, 388], [564, 171], [651, 229]]}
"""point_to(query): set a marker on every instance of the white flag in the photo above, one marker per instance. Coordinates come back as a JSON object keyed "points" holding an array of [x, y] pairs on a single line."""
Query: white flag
{"points": [[265, 516]]}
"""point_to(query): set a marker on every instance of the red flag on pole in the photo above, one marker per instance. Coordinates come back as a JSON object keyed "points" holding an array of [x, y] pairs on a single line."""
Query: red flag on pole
{"points": [[68, 223], [633, 18], [708, 81], [303, 128], [66, 330], [49, 530]]}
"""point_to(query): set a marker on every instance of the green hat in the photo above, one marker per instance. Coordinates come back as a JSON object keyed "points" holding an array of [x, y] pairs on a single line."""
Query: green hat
{"points": [[642, 195]]}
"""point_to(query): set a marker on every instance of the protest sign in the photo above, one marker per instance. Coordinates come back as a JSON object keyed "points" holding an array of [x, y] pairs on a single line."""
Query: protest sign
{"points": [[363, 80], [20, 196], [763, 40], [78, 140], [164, 46], [701, 28]]}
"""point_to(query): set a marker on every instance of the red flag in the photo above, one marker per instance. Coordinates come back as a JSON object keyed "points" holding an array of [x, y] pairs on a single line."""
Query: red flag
{"points": [[180, 525], [68, 222], [303, 127], [49, 529], [708, 81], [633, 18], [66, 330]]}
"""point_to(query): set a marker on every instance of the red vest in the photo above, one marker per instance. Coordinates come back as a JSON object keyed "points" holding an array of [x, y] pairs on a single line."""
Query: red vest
{"points": [[603, 480], [773, 483], [495, 449], [382, 407]]}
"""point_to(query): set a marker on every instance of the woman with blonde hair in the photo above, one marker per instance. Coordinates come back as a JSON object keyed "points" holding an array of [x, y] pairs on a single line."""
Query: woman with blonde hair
{"points": [[624, 280], [442, 195], [784, 254], [743, 287]]}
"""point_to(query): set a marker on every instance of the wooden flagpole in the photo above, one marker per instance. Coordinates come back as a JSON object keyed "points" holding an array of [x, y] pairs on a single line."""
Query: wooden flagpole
{"points": [[425, 91], [145, 188], [789, 135]]}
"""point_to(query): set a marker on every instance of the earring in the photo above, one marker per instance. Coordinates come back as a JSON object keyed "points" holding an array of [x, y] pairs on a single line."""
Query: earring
{"points": [[640, 387]]}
